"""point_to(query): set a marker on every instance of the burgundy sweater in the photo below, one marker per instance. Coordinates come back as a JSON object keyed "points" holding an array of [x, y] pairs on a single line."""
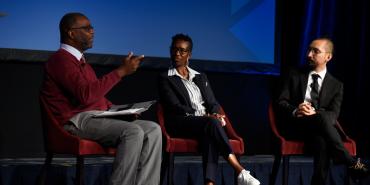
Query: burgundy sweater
{"points": [[71, 87]]}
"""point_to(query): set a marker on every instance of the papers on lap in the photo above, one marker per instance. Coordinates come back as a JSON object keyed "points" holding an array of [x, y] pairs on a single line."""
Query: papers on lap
{"points": [[127, 109], [121, 112]]}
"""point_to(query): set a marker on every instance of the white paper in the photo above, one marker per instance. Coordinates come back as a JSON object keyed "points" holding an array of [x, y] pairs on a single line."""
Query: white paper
{"points": [[121, 112]]}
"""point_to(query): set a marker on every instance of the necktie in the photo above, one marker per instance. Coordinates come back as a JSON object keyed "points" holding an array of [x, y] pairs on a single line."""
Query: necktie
{"points": [[315, 91]]}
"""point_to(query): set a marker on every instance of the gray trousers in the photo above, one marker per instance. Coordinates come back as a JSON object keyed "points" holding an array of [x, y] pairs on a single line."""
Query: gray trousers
{"points": [[138, 143]]}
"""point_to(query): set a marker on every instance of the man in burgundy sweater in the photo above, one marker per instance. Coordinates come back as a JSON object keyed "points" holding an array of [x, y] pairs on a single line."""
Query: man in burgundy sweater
{"points": [[74, 94]]}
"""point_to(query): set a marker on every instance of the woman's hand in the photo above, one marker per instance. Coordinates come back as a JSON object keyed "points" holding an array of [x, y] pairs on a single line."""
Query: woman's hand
{"points": [[220, 117]]}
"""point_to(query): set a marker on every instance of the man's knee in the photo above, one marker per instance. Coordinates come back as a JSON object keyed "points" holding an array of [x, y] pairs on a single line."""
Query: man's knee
{"points": [[325, 119], [155, 129], [133, 132], [151, 128]]}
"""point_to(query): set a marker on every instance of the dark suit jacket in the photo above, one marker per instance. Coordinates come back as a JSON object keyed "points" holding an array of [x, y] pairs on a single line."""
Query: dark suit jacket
{"points": [[175, 98], [294, 89]]}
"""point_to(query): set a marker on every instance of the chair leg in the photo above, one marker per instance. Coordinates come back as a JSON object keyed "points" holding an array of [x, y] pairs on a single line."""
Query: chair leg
{"points": [[164, 167], [42, 176], [235, 174], [167, 168], [275, 169], [171, 165], [285, 170], [351, 180], [80, 171]]}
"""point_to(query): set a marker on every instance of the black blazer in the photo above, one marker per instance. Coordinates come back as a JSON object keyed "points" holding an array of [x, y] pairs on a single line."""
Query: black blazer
{"points": [[175, 98], [294, 89]]}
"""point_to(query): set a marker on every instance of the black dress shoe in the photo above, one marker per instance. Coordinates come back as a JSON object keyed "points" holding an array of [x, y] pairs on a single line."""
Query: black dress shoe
{"points": [[358, 169]]}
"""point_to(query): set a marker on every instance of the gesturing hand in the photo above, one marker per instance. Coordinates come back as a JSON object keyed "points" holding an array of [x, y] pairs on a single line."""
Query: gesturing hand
{"points": [[129, 64]]}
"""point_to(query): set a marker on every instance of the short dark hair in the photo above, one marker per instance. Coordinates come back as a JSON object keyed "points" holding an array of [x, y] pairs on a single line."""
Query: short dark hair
{"points": [[67, 22], [330, 44], [184, 37]]}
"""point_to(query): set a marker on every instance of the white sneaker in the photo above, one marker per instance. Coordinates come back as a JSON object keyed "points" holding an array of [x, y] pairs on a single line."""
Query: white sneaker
{"points": [[245, 178]]}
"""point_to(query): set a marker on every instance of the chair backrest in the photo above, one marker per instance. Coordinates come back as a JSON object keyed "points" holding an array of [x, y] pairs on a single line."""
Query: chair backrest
{"points": [[57, 140]]}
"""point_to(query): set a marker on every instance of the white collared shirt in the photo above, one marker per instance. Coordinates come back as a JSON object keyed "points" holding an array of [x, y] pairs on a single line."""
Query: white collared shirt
{"points": [[195, 95], [309, 82], [72, 50]]}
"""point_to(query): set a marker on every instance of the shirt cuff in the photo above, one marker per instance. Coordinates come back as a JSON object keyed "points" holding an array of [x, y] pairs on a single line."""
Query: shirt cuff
{"points": [[294, 111]]}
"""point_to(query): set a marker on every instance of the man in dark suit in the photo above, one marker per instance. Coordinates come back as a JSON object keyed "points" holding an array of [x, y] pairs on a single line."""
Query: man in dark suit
{"points": [[192, 111], [310, 104]]}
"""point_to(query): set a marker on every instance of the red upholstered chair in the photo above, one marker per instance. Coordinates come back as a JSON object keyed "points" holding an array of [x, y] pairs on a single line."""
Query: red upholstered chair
{"points": [[293, 147], [59, 141], [175, 145]]}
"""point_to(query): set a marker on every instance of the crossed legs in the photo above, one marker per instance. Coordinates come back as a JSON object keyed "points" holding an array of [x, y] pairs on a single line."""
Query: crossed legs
{"points": [[323, 141], [213, 142]]}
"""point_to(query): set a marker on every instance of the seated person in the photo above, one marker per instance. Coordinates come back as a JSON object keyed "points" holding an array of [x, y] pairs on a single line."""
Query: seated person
{"points": [[309, 104], [192, 111], [73, 92]]}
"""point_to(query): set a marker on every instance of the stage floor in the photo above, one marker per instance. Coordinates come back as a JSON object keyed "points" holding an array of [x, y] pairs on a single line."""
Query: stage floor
{"points": [[188, 171]]}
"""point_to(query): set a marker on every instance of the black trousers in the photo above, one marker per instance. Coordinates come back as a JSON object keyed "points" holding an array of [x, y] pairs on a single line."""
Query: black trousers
{"points": [[323, 142], [211, 136]]}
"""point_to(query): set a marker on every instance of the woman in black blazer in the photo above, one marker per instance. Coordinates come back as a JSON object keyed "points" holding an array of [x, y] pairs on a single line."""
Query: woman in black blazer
{"points": [[192, 111]]}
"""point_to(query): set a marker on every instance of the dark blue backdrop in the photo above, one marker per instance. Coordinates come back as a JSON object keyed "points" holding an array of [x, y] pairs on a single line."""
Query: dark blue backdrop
{"points": [[223, 30]]}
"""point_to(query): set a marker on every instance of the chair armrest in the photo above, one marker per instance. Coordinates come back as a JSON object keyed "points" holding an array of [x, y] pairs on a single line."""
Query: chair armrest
{"points": [[341, 132], [229, 128], [349, 143], [160, 117], [230, 131], [164, 131], [272, 121]]}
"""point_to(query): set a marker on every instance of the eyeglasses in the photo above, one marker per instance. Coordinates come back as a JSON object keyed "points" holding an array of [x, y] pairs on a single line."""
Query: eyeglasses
{"points": [[182, 51], [87, 28], [315, 51]]}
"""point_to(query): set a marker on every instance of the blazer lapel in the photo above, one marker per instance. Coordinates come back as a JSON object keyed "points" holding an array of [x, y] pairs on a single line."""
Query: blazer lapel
{"points": [[180, 87], [200, 83]]}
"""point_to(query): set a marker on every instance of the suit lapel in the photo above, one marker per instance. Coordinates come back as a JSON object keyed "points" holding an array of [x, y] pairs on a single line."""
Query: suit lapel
{"points": [[180, 87], [325, 88]]}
